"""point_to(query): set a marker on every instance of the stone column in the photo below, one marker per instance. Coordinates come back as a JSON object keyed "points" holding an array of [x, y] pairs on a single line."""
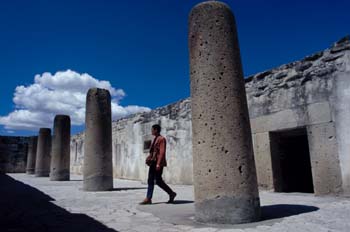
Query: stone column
{"points": [[42, 164], [225, 182], [31, 154], [60, 153], [98, 173]]}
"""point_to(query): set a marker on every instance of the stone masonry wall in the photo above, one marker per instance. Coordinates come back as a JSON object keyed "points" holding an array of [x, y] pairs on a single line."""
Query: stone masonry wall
{"points": [[303, 94], [13, 154]]}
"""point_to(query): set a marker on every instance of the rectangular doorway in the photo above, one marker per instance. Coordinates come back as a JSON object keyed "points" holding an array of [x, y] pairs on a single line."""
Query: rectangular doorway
{"points": [[291, 165]]}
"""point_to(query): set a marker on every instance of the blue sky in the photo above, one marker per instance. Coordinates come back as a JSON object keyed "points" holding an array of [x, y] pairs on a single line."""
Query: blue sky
{"points": [[140, 47]]}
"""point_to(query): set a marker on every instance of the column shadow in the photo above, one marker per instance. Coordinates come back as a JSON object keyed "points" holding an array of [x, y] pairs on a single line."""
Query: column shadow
{"points": [[24, 208], [269, 212]]}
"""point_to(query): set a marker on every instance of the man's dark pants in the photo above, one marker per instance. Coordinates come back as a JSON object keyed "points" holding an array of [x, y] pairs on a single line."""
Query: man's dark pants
{"points": [[156, 176]]}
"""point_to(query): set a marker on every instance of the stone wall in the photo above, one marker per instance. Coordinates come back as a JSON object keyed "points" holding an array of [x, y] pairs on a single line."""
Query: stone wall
{"points": [[311, 93], [13, 154], [341, 110], [131, 141], [304, 94]]}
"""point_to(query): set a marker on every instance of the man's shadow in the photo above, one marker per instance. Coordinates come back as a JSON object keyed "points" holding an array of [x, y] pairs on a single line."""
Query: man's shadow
{"points": [[176, 202], [24, 208], [127, 188]]}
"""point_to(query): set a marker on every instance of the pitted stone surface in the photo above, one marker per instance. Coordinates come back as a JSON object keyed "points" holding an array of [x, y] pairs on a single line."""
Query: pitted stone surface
{"points": [[225, 181], [31, 157], [98, 173], [43, 153], [60, 155], [119, 211]]}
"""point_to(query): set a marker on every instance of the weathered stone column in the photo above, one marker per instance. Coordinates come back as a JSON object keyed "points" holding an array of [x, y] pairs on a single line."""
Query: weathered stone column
{"points": [[98, 173], [225, 182], [60, 152], [42, 164], [31, 158]]}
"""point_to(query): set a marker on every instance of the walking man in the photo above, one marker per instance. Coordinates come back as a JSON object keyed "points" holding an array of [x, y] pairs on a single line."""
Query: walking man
{"points": [[156, 162]]}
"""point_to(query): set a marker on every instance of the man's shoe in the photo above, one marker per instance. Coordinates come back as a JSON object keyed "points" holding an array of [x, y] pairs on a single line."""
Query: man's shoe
{"points": [[146, 202], [172, 197]]}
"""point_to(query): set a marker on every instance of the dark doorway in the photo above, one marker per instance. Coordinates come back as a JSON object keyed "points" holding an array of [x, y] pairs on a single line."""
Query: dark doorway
{"points": [[291, 164]]}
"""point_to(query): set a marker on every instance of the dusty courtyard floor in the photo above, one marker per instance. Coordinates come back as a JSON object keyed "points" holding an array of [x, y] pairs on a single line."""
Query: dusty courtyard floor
{"points": [[37, 204]]}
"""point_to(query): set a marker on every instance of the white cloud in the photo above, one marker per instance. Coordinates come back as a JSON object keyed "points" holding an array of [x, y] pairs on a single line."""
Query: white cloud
{"points": [[62, 93]]}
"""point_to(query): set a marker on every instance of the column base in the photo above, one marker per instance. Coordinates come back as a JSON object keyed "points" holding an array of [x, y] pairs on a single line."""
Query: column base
{"points": [[98, 183], [228, 210]]}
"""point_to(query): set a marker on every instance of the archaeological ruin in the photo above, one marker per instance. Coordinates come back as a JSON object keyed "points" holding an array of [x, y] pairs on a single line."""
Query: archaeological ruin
{"points": [[300, 122], [245, 153]]}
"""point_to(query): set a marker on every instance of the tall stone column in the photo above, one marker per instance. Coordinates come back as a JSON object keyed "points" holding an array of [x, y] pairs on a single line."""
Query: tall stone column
{"points": [[31, 158], [43, 156], [98, 173], [225, 181], [60, 152]]}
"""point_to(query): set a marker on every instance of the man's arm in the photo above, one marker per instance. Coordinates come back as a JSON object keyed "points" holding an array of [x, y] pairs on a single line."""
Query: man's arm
{"points": [[149, 157], [162, 147]]}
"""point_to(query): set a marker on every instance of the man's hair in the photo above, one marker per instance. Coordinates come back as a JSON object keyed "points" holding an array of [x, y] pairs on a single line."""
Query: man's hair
{"points": [[157, 127]]}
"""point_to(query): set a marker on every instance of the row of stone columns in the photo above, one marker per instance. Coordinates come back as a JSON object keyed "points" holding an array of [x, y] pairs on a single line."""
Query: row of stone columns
{"points": [[50, 157]]}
